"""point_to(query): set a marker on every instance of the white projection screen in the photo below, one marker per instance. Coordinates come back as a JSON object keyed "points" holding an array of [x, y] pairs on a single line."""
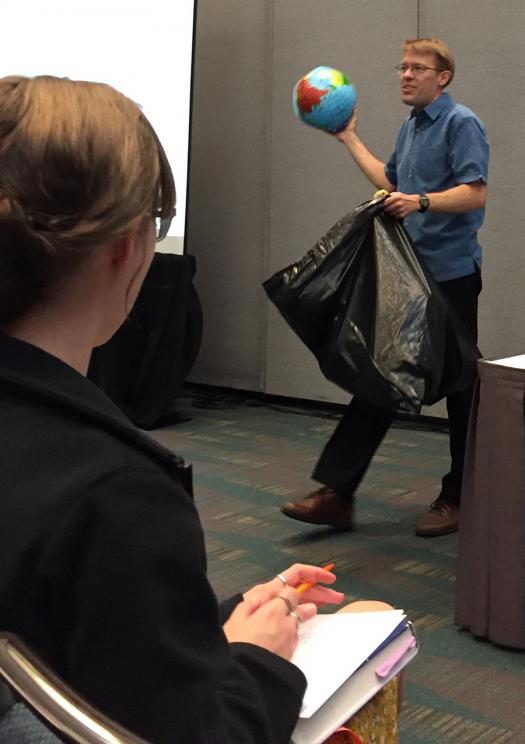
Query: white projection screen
{"points": [[141, 47]]}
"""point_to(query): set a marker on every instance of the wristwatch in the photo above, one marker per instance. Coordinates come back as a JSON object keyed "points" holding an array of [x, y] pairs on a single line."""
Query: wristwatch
{"points": [[424, 203]]}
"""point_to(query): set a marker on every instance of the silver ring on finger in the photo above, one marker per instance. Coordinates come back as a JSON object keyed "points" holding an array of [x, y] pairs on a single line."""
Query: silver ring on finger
{"points": [[296, 618], [289, 605], [282, 579]]}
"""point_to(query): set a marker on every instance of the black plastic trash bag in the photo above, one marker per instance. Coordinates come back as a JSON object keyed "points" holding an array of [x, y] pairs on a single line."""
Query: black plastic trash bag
{"points": [[364, 303]]}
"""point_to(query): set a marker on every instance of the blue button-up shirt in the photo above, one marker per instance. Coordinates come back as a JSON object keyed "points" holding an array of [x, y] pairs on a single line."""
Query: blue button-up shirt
{"points": [[442, 146]]}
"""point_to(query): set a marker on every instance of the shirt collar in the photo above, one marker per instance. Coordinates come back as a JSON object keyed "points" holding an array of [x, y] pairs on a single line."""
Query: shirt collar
{"points": [[434, 109]]}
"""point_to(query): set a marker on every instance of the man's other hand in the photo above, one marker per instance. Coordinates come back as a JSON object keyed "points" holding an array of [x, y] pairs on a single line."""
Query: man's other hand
{"points": [[400, 205]]}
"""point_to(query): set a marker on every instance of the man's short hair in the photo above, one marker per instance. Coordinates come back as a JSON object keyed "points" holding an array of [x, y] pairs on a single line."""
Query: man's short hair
{"points": [[438, 48]]}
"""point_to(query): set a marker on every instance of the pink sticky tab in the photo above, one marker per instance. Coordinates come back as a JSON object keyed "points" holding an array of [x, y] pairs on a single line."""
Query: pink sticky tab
{"points": [[385, 668]]}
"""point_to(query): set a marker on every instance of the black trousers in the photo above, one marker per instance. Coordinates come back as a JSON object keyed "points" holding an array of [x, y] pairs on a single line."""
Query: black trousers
{"points": [[349, 451]]}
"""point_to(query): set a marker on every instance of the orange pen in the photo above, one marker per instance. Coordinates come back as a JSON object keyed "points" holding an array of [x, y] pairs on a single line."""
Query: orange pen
{"points": [[302, 588]]}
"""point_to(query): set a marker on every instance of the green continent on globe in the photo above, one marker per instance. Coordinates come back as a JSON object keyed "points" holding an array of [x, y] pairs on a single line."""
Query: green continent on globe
{"points": [[337, 78]]}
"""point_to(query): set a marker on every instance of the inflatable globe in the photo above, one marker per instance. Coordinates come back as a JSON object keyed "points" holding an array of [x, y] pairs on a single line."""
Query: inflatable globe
{"points": [[324, 99]]}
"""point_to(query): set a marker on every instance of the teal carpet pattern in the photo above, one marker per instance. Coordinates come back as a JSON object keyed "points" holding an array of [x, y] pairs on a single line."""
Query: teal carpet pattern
{"points": [[250, 457]]}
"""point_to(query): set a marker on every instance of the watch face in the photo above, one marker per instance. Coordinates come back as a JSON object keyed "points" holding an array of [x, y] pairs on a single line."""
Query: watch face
{"points": [[423, 203]]}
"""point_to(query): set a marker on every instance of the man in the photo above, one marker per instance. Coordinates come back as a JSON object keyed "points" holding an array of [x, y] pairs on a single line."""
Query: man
{"points": [[437, 181]]}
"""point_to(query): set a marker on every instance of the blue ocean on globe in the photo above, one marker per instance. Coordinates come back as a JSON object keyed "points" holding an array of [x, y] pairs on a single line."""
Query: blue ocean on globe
{"points": [[324, 98]]}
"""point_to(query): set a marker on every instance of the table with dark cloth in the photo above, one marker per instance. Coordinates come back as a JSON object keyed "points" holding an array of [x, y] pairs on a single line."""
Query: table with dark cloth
{"points": [[490, 599]]}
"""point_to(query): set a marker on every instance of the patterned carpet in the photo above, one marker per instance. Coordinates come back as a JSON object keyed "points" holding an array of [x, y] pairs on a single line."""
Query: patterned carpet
{"points": [[249, 457]]}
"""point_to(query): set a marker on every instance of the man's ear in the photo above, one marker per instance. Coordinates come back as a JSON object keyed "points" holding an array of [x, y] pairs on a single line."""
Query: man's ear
{"points": [[445, 76]]}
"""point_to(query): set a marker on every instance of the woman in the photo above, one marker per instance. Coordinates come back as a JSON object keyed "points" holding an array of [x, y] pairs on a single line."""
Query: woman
{"points": [[102, 560]]}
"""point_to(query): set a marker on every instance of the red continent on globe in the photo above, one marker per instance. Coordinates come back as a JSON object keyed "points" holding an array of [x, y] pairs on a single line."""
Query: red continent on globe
{"points": [[308, 96]]}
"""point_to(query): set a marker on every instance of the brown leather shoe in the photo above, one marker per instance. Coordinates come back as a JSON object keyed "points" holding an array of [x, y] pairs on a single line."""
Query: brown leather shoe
{"points": [[324, 506], [441, 519]]}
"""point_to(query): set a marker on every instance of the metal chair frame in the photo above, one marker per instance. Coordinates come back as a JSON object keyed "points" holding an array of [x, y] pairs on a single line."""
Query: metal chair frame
{"points": [[53, 700]]}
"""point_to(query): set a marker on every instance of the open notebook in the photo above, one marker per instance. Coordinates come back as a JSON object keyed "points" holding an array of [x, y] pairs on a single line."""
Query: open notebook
{"points": [[347, 658]]}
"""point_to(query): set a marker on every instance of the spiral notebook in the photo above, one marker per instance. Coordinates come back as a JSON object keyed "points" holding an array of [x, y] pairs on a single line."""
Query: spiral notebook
{"points": [[347, 658]]}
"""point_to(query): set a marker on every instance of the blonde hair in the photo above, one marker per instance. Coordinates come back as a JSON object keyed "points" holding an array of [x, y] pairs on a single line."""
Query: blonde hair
{"points": [[437, 47], [78, 163]]}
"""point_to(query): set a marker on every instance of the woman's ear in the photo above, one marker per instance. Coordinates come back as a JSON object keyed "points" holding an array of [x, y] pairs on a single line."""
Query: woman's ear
{"points": [[121, 249]]}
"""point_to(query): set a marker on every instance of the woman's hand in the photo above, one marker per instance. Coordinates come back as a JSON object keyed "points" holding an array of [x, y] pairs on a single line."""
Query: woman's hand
{"points": [[271, 613], [273, 625], [294, 576]]}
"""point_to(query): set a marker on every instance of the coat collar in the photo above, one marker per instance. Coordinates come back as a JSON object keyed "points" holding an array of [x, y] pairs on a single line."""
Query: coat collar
{"points": [[33, 372]]}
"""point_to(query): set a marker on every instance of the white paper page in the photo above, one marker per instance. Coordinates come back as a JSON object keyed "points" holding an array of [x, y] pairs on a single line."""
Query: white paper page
{"points": [[518, 362], [332, 647]]}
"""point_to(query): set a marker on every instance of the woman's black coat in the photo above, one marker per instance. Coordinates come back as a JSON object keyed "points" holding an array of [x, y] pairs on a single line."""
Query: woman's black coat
{"points": [[103, 568]]}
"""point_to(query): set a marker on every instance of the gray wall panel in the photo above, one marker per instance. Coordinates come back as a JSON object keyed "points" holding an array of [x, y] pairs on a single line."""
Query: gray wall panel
{"points": [[313, 179], [228, 187], [487, 40]]}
